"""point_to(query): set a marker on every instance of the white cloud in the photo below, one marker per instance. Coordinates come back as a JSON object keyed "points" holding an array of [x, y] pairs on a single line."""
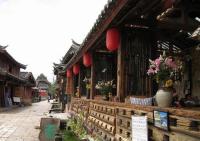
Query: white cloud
{"points": [[39, 32]]}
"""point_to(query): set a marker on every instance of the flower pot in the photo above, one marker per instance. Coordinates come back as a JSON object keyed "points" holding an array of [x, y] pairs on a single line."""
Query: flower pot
{"points": [[105, 98], [164, 97], [84, 139]]}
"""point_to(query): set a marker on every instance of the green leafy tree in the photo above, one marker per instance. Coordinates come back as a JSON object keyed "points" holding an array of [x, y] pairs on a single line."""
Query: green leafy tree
{"points": [[52, 89]]}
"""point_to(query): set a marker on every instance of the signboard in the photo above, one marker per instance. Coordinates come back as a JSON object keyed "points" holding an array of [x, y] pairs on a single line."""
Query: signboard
{"points": [[161, 119], [16, 99], [139, 128]]}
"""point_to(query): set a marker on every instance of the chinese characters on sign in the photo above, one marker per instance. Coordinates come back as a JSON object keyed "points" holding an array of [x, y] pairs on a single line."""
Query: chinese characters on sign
{"points": [[139, 128]]}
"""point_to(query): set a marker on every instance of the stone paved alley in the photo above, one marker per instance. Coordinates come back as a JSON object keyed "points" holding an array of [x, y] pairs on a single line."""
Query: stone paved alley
{"points": [[20, 124]]}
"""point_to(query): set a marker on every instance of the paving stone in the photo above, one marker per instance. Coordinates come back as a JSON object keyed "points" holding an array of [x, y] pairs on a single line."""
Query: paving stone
{"points": [[19, 124], [2, 139]]}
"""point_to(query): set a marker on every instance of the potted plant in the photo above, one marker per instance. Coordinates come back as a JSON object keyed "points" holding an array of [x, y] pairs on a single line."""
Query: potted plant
{"points": [[88, 86], [164, 69], [105, 88]]}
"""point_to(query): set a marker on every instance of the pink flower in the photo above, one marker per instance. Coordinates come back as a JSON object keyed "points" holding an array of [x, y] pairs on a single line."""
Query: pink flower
{"points": [[157, 69], [169, 62], [150, 71], [157, 62]]}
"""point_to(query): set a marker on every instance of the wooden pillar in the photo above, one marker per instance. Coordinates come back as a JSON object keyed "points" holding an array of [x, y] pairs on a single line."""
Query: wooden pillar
{"points": [[2, 91], [70, 86], [67, 86], [120, 73], [79, 84], [92, 90], [73, 84], [64, 84]]}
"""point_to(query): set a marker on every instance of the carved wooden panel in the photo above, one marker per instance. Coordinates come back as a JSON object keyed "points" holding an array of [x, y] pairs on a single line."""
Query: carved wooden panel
{"points": [[102, 119], [113, 121]]}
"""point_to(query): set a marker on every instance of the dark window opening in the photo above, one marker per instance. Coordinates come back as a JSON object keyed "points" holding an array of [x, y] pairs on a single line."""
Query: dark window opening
{"points": [[10, 69]]}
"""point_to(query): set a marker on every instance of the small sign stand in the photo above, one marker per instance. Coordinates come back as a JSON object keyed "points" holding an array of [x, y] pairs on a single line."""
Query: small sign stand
{"points": [[139, 128]]}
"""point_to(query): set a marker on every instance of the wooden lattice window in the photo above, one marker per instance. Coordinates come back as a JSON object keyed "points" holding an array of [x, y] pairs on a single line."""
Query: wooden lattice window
{"points": [[137, 51]]}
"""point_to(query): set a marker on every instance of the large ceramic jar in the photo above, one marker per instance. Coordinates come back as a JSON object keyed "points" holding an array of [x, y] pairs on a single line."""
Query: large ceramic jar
{"points": [[164, 97]]}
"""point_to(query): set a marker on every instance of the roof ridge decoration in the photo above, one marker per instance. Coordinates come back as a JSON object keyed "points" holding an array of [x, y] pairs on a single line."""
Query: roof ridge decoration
{"points": [[4, 51], [71, 51], [3, 47], [75, 43]]}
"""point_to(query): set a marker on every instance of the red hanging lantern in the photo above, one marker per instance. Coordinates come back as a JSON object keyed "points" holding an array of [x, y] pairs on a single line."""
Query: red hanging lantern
{"points": [[76, 69], [87, 59], [112, 39], [69, 73]]}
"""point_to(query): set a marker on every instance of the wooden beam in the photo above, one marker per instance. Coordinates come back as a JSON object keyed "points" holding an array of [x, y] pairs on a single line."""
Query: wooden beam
{"points": [[141, 7], [104, 51], [175, 25]]}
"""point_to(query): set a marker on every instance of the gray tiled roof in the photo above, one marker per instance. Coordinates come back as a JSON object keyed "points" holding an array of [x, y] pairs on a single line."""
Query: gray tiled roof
{"points": [[28, 77], [24, 75], [72, 50], [3, 51]]}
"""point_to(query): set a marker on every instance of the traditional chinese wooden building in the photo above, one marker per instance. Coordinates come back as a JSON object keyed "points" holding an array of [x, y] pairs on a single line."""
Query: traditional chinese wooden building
{"points": [[9, 77], [142, 29], [63, 91], [42, 84], [26, 91]]}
